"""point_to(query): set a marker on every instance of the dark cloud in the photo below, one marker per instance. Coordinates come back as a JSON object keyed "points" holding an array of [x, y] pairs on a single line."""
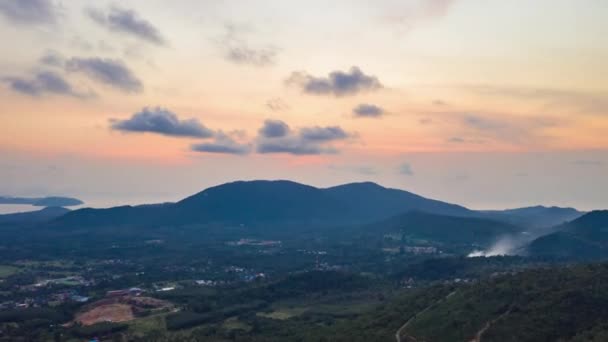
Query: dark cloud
{"points": [[406, 169], [276, 137], [322, 134], [162, 121], [237, 50], [45, 82], [293, 145], [337, 83], [127, 21], [223, 144], [29, 11], [109, 71], [274, 129], [366, 110]]}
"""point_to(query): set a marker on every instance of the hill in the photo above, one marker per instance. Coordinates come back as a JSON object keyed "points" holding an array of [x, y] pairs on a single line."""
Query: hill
{"points": [[534, 217], [257, 202], [585, 237], [446, 230], [37, 216], [561, 304], [54, 201]]}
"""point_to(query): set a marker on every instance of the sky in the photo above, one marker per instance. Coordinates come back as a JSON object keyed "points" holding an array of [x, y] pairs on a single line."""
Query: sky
{"points": [[484, 103]]}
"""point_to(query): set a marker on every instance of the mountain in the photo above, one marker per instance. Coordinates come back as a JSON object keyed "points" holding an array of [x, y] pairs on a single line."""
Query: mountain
{"points": [[585, 237], [377, 202], [534, 217], [442, 229], [43, 215], [54, 201], [256, 202]]}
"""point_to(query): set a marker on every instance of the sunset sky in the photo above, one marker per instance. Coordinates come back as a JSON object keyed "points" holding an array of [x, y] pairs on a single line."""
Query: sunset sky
{"points": [[484, 103]]}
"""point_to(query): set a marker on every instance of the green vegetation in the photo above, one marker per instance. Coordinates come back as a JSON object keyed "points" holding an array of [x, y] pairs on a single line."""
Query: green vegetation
{"points": [[6, 270]]}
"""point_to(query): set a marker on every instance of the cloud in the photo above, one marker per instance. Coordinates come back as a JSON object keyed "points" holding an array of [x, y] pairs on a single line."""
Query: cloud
{"points": [[406, 169], [512, 129], [587, 162], [585, 102], [366, 110], [293, 145], [276, 137], [29, 11], [337, 83], [109, 71], [53, 59], [162, 121], [461, 140], [359, 169], [411, 14], [126, 21], [238, 50], [45, 82], [277, 104], [323, 133], [274, 129], [223, 144]]}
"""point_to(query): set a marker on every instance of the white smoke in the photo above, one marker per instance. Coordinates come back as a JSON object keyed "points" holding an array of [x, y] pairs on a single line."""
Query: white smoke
{"points": [[506, 245]]}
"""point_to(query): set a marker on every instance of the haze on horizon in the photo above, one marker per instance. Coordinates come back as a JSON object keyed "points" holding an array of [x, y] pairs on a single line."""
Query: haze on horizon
{"points": [[483, 103]]}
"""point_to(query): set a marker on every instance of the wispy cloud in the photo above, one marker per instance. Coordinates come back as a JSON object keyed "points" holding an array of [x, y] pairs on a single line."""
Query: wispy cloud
{"points": [[43, 83], [337, 83], [237, 49], [112, 72], [126, 21], [406, 169], [408, 15], [584, 102], [30, 12], [277, 104], [223, 144]]}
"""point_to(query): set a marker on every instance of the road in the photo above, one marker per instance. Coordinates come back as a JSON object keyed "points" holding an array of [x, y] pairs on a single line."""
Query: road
{"points": [[406, 324]]}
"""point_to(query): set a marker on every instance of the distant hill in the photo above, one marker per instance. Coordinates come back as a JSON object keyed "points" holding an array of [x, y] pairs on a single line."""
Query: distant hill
{"points": [[53, 201], [442, 229], [38, 216], [585, 237], [376, 202], [534, 217], [256, 202]]}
